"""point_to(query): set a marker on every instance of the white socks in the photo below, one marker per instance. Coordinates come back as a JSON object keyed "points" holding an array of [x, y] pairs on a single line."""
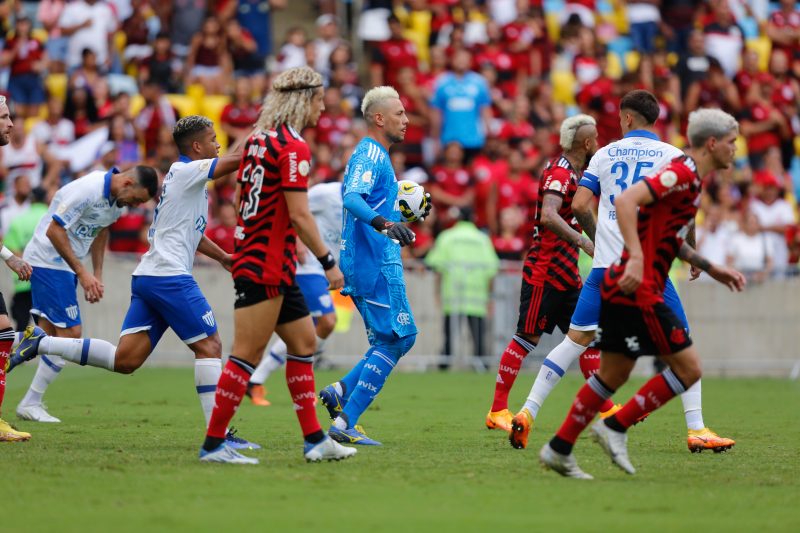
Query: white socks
{"points": [[92, 352], [206, 376], [553, 367], [693, 406], [49, 367], [269, 363]]}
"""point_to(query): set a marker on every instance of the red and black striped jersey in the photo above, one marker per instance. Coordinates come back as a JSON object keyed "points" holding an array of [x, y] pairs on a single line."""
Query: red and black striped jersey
{"points": [[662, 227], [273, 162], [551, 260]]}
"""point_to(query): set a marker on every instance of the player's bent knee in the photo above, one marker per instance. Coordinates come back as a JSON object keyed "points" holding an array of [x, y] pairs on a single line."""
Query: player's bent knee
{"points": [[325, 325], [126, 366], [406, 343]]}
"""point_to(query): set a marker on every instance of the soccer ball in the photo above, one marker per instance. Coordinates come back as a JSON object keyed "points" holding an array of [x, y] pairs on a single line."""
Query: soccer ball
{"points": [[411, 200]]}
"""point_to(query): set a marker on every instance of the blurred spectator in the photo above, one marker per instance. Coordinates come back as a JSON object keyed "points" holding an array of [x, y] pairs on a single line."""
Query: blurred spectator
{"points": [[239, 117], [86, 75], [786, 97], [713, 237], [129, 233], [222, 230], [465, 261], [417, 110], [322, 170], [518, 127], [16, 236], [137, 29], [583, 9], [749, 252], [774, 215], [256, 17], [26, 58], [518, 188], [644, 17], [488, 168], [107, 156], [762, 124], [391, 55], [55, 129], [162, 67], [81, 110], [17, 201], [208, 61], [783, 28], [334, 122], [185, 21], [25, 154], [48, 15], [451, 186], [326, 42], [157, 113], [88, 24], [461, 107], [293, 51], [693, 66], [122, 133], [724, 38], [715, 90], [747, 74], [243, 49], [507, 243]]}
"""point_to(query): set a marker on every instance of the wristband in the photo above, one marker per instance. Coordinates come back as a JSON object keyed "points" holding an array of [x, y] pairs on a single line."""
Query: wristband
{"points": [[6, 254], [327, 261]]}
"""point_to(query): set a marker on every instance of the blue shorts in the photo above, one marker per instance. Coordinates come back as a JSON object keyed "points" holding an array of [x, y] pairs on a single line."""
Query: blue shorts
{"points": [[26, 89], [55, 297], [315, 291], [161, 302], [587, 313], [387, 314]]}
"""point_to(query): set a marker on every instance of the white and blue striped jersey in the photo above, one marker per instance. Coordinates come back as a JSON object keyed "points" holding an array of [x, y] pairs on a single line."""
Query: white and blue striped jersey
{"points": [[83, 208], [180, 219], [325, 203], [614, 168]]}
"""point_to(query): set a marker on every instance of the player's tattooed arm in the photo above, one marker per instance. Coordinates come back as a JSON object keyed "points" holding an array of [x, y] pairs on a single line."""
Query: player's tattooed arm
{"points": [[551, 203], [583, 207], [690, 255], [731, 278], [691, 236]]}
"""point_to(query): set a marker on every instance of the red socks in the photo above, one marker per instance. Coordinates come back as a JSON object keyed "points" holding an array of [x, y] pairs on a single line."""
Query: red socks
{"points": [[590, 364], [230, 391], [510, 363], [586, 405], [300, 380], [653, 394]]}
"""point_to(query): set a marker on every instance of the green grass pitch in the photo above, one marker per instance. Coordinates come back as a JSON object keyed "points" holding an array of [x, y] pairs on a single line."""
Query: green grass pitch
{"points": [[125, 459]]}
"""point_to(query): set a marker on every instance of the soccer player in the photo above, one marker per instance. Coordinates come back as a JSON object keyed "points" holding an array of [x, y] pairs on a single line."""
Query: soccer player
{"points": [[325, 203], [273, 212], [634, 320], [550, 278], [75, 226], [23, 271], [372, 235], [163, 292], [613, 169]]}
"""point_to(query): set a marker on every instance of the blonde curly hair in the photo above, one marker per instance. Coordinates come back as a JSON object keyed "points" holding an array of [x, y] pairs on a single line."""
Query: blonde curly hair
{"points": [[288, 102]]}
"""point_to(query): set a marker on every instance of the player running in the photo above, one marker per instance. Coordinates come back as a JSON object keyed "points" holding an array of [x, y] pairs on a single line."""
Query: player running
{"points": [[325, 203], [273, 211], [163, 292], [372, 266], [613, 169], [550, 278], [634, 319], [23, 271], [75, 226]]}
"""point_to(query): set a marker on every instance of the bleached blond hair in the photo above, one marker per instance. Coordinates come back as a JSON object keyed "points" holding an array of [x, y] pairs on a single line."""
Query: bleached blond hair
{"points": [[289, 100], [570, 127], [374, 97], [709, 122]]}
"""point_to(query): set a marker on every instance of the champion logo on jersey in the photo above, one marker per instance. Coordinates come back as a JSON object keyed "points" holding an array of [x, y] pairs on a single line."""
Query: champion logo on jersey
{"points": [[208, 318]]}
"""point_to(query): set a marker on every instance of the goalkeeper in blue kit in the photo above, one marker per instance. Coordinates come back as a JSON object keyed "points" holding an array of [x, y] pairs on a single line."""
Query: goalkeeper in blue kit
{"points": [[372, 234]]}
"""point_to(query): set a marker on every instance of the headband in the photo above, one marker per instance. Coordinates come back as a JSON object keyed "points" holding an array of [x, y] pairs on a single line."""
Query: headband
{"points": [[299, 88]]}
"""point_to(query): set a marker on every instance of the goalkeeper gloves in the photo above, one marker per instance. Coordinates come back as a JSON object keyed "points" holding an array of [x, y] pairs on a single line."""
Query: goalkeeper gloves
{"points": [[399, 233]]}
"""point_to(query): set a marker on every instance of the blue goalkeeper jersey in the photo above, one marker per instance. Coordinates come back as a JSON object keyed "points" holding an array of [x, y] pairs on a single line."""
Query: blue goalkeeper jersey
{"points": [[365, 253]]}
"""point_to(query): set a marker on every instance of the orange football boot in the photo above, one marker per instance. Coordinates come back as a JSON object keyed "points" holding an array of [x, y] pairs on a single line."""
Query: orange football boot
{"points": [[705, 439], [499, 420], [521, 426]]}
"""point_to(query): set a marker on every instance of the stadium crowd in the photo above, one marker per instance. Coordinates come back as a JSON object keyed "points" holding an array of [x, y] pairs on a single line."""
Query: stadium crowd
{"points": [[486, 85]]}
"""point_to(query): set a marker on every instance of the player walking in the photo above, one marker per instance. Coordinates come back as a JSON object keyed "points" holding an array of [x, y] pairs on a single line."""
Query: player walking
{"points": [[273, 211], [613, 169], [634, 319], [372, 266], [163, 292], [325, 203], [75, 226], [23, 271], [550, 278]]}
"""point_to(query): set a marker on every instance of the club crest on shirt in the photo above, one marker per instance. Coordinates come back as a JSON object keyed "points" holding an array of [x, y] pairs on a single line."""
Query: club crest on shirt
{"points": [[668, 179], [304, 167]]}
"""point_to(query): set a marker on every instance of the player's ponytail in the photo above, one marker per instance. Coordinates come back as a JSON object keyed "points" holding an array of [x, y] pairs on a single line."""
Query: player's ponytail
{"points": [[288, 102]]}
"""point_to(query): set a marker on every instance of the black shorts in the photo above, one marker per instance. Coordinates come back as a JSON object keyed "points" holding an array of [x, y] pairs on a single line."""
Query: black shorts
{"points": [[635, 331], [250, 293], [542, 308], [3, 309]]}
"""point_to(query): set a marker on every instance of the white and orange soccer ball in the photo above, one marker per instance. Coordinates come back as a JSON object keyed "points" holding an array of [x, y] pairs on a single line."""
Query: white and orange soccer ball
{"points": [[411, 200]]}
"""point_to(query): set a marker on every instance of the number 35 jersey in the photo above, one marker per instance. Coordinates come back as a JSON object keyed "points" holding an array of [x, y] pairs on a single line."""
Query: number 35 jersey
{"points": [[614, 168], [273, 162]]}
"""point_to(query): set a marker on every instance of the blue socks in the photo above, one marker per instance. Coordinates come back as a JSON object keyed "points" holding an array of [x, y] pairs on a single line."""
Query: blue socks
{"points": [[374, 369]]}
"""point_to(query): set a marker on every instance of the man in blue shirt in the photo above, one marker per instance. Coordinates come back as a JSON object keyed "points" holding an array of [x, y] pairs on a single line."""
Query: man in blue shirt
{"points": [[372, 234], [462, 107]]}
